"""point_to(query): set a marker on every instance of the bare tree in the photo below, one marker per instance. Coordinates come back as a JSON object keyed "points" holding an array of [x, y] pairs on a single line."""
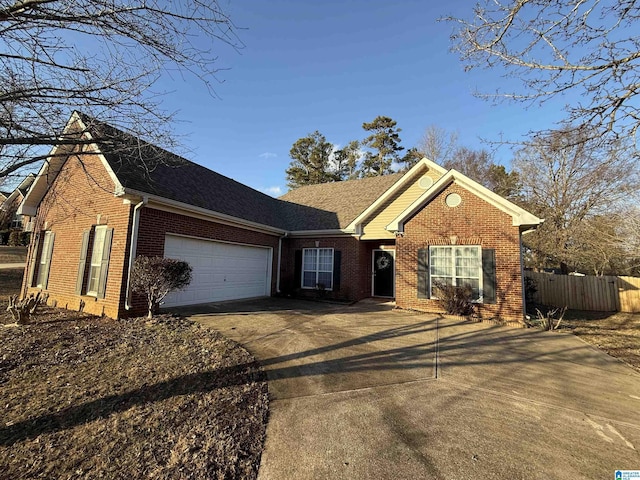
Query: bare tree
{"points": [[569, 179], [100, 57], [437, 144], [554, 46]]}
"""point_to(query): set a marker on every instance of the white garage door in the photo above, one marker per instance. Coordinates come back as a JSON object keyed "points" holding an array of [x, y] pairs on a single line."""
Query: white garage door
{"points": [[221, 271]]}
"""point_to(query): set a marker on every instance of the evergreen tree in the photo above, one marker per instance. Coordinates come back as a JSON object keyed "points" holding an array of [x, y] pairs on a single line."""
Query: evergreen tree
{"points": [[311, 162], [346, 160], [384, 147]]}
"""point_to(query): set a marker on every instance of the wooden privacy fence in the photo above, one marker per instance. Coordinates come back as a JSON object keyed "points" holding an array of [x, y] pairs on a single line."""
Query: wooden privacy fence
{"points": [[603, 294]]}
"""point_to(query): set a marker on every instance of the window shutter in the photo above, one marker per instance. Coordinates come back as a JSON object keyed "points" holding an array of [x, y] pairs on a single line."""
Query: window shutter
{"points": [[423, 273], [83, 261], [297, 270], [47, 265], [488, 275], [33, 260], [337, 259], [104, 264]]}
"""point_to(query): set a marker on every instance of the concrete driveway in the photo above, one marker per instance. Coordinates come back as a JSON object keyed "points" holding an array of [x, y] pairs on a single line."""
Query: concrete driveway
{"points": [[368, 392]]}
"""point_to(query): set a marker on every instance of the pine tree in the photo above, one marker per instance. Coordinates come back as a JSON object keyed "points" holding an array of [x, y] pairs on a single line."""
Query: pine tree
{"points": [[311, 161], [384, 147]]}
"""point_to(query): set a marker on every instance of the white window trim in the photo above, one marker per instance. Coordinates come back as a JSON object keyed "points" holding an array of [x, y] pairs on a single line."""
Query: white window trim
{"points": [[98, 228], [317, 249], [480, 298]]}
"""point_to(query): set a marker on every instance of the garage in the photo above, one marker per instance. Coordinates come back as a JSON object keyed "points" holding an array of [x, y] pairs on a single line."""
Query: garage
{"points": [[221, 271]]}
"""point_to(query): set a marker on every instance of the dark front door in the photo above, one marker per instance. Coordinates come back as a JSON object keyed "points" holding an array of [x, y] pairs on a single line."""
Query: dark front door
{"points": [[383, 273]]}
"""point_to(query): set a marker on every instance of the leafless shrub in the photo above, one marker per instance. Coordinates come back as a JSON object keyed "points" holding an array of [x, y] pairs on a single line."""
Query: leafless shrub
{"points": [[155, 277]]}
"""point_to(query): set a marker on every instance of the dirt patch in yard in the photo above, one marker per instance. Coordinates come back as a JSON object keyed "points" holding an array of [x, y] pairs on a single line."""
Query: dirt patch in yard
{"points": [[87, 397], [618, 334]]}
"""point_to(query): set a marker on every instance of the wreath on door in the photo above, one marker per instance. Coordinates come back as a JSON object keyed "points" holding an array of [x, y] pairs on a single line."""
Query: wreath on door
{"points": [[383, 262]]}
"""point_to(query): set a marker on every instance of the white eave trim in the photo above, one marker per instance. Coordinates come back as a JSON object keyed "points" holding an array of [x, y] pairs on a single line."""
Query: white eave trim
{"points": [[406, 178], [161, 203], [337, 232], [520, 217], [52, 166]]}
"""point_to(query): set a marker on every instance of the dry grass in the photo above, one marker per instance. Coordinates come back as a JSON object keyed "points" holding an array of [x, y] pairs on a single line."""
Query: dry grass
{"points": [[10, 281], [85, 397], [618, 334]]}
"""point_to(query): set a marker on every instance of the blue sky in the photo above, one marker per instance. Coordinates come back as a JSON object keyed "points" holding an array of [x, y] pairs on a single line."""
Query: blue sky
{"points": [[330, 66]]}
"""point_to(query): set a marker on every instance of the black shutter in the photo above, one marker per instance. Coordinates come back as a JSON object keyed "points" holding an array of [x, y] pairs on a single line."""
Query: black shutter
{"points": [[337, 260], [489, 275], [104, 263], [423, 273], [82, 262], [297, 269]]}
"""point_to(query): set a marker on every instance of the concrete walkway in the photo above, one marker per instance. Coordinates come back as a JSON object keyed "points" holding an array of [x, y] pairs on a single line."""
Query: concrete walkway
{"points": [[367, 392]]}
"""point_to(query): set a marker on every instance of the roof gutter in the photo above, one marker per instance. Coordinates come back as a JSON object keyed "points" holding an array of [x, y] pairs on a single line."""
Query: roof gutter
{"points": [[132, 248], [172, 205]]}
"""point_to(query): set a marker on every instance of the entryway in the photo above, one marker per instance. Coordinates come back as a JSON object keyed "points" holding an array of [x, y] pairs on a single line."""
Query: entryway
{"points": [[383, 282]]}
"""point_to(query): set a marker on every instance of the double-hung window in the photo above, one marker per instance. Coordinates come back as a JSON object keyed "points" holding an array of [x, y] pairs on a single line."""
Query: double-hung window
{"points": [[456, 265], [44, 262], [94, 261], [317, 268]]}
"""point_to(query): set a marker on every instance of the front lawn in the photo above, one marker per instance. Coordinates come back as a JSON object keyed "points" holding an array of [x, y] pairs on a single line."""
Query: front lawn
{"points": [[88, 397], [618, 334]]}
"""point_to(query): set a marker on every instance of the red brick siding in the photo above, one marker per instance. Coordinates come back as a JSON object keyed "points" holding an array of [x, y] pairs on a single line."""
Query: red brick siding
{"points": [[473, 222], [155, 224], [80, 193], [355, 269]]}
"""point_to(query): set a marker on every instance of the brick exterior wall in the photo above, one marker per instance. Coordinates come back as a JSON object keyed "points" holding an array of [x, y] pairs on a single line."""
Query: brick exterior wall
{"points": [[80, 194], [473, 222], [155, 224], [355, 269]]}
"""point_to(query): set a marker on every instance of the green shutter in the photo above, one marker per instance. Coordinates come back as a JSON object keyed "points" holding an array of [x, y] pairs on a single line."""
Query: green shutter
{"points": [[423, 273], [488, 275], [337, 257], [104, 264], [82, 262]]}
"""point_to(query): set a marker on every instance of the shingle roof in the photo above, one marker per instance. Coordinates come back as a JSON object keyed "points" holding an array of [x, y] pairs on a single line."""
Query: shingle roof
{"points": [[346, 200], [143, 167], [149, 169]]}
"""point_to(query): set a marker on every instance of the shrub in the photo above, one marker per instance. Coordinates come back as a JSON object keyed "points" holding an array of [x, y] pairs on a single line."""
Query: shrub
{"points": [[4, 237], [155, 277], [455, 300]]}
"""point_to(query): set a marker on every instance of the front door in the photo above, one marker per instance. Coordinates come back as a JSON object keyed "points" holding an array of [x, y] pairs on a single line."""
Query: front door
{"points": [[383, 273]]}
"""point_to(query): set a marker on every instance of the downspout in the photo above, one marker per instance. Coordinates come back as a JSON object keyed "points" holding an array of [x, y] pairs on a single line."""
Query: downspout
{"points": [[279, 261], [132, 248]]}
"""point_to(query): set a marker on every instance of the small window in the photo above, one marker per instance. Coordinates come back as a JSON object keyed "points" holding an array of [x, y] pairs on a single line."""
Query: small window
{"points": [[45, 260], [458, 266], [317, 268]]}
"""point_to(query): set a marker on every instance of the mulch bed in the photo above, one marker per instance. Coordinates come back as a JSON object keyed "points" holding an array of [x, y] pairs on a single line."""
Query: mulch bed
{"points": [[88, 397]]}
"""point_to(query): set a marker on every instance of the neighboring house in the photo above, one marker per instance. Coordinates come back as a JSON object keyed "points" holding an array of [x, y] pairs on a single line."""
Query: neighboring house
{"points": [[390, 236], [12, 201]]}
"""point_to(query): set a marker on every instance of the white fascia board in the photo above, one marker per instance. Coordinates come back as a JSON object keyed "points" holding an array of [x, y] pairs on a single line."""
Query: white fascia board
{"points": [[406, 178], [322, 233], [48, 173], [166, 204], [520, 217]]}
